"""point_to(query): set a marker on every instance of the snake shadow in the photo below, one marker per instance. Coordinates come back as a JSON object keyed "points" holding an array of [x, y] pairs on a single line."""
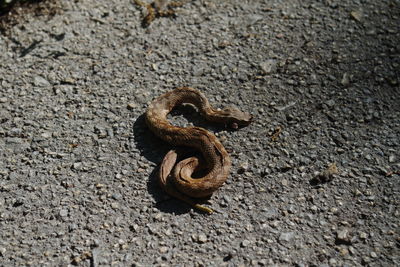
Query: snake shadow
{"points": [[154, 149]]}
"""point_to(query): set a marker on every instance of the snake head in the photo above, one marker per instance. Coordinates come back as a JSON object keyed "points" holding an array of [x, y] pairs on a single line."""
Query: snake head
{"points": [[236, 118]]}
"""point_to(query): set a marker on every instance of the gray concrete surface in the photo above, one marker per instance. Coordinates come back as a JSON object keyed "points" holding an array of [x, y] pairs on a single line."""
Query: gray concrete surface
{"points": [[77, 162]]}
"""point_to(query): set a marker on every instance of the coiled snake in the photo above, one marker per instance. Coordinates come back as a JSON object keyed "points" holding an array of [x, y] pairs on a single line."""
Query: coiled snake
{"points": [[176, 177]]}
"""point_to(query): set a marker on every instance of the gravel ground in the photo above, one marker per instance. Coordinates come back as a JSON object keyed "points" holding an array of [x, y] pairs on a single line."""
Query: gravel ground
{"points": [[77, 163]]}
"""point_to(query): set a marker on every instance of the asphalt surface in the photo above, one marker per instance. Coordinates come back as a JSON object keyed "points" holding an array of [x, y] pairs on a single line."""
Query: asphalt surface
{"points": [[315, 178]]}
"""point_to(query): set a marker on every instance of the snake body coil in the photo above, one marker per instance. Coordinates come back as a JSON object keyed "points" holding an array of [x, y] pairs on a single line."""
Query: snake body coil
{"points": [[176, 178]]}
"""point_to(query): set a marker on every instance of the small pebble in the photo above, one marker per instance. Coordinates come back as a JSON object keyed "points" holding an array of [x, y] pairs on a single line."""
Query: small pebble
{"points": [[356, 15], [286, 237], [343, 235], [200, 238], [40, 81], [345, 79], [63, 212], [363, 235], [131, 106], [245, 243], [330, 103], [46, 135], [268, 66], [163, 250]]}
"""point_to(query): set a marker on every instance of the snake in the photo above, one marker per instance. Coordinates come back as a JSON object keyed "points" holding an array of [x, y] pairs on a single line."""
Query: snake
{"points": [[177, 176]]}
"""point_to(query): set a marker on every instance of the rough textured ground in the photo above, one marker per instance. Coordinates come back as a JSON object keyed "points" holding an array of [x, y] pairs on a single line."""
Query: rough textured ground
{"points": [[77, 162]]}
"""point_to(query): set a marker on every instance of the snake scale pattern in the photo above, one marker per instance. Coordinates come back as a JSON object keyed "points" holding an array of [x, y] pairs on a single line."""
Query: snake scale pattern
{"points": [[175, 175]]}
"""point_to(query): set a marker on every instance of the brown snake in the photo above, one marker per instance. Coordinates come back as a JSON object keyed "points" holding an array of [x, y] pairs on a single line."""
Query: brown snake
{"points": [[176, 178]]}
